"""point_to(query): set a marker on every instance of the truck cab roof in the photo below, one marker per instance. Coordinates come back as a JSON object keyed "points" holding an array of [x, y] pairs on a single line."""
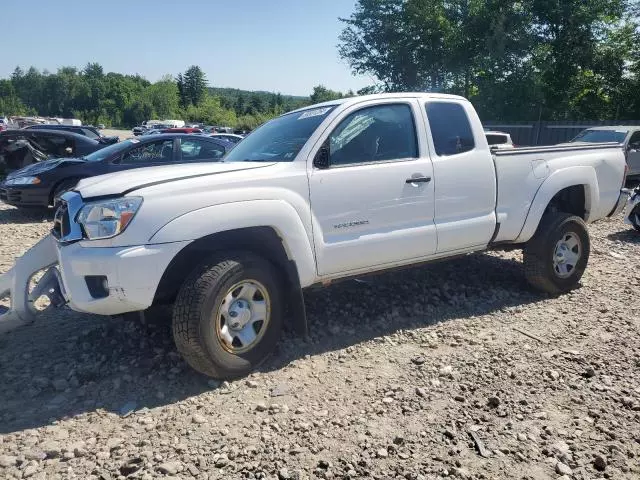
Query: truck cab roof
{"points": [[381, 96]]}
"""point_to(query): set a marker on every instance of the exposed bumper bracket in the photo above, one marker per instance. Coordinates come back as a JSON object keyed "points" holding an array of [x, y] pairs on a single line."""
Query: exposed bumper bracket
{"points": [[15, 284]]}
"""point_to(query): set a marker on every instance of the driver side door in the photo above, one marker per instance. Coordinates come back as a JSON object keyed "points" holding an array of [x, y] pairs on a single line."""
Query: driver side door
{"points": [[373, 202]]}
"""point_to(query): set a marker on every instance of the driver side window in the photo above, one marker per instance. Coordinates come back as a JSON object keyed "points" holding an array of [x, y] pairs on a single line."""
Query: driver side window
{"points": [[160, 151], [374, 134]]}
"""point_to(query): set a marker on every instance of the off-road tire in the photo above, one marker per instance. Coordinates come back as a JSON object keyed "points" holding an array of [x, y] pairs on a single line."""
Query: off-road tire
{"points": [[539, 251], [194, 315]]}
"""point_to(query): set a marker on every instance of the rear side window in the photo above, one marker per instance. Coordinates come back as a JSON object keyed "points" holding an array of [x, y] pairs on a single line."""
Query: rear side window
{"points": [[450, 128], [197, 149], [496, 139]]}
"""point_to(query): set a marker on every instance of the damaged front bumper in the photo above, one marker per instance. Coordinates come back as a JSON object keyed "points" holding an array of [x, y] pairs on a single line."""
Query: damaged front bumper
{"points": [[97, 280], [15, 284]]}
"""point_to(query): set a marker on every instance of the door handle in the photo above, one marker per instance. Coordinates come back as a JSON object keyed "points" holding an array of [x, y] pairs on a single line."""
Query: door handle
{"points": [[418, 180]]}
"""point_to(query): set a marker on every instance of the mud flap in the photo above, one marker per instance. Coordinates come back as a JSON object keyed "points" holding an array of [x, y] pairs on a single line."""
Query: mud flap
{"points": [[15, 284]]}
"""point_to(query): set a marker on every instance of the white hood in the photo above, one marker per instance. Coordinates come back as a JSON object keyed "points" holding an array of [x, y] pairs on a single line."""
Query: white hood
{"points": [[130, 180]]}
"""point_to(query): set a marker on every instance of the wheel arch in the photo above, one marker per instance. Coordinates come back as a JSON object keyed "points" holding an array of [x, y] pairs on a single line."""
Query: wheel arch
{"points": [[572, 190], [55, 186], [263, 241]]}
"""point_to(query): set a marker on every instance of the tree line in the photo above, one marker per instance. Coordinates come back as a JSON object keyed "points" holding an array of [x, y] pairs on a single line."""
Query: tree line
{"points": [[118, 100], [515, 60]]}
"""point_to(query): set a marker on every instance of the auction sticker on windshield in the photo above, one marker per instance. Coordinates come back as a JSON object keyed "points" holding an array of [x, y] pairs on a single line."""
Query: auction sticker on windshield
{"points": [[316, 112]]}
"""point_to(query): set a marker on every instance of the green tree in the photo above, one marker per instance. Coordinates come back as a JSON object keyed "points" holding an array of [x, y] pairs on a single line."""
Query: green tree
{"points": [[10, 103], [560, 59], [192, 86], [323, 94], [164, 97]]}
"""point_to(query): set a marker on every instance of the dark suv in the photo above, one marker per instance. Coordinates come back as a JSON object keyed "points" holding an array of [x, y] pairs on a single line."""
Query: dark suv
{"points": [[89, 132], [41, 183], [19, 148]]}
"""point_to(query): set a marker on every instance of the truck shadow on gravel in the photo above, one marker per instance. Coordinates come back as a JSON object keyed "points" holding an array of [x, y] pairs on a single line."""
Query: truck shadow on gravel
{"points": [[626, 236], [71, 364]]}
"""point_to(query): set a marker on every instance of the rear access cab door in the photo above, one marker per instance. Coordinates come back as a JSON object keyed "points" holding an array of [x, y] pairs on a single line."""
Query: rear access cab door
{"points": [[464, 173]]}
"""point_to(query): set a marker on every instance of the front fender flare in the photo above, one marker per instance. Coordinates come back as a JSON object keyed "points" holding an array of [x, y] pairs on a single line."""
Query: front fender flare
{"points": [[557, 181], [277, 214]]}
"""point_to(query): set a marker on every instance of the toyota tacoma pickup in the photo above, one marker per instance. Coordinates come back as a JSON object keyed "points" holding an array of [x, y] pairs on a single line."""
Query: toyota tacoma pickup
{"points": [[325, 193]]}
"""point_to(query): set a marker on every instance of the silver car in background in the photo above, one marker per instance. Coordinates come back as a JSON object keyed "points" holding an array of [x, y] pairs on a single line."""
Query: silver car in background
{"points": [[628, 135]]}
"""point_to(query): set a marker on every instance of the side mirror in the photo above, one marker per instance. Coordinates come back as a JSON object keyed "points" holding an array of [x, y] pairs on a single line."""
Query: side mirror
{"points": [[321, 160]]}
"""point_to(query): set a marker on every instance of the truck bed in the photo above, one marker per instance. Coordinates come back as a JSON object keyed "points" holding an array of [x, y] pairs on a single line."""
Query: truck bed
{"points": [[521, 173]]}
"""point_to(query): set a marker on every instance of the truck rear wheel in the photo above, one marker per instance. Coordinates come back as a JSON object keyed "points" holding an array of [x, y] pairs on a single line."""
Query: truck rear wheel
{"points": [[556, 256], [228, 315]]}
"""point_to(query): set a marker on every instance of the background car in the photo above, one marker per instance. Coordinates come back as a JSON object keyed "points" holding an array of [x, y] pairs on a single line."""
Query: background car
{"points": [[156, 129], [19, 148], [40, 184], [498, 140], [139, 130], [181, 130], [86, 130], [231, 137], [627, 135]]}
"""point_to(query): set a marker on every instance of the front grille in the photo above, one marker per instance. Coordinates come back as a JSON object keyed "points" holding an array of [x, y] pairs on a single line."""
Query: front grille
{"points": [[61, 221], [65, 228], [11, 195]]}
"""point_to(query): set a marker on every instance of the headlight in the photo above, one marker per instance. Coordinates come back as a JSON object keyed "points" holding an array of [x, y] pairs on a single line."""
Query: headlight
{"points": [[23, 181], [107, 219]]}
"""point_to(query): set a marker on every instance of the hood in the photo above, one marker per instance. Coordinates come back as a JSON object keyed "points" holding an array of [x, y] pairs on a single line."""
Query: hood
{"points": [[41, 167], [129, 180]]}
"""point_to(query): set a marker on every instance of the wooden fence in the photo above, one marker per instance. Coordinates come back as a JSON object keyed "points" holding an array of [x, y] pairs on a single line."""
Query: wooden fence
{"points": [[547, 133]]}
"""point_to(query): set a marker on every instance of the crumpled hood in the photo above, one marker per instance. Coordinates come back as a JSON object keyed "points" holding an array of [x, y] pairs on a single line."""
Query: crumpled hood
{"points": [[129, 180], [37, 168]]}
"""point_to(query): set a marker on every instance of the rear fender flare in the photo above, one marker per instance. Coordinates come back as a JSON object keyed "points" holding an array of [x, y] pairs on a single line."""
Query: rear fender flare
{"points": [[557, 181]]}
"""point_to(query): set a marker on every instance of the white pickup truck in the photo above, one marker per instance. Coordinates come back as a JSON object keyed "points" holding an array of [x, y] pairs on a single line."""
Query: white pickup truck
{"points": [[321, 194]]}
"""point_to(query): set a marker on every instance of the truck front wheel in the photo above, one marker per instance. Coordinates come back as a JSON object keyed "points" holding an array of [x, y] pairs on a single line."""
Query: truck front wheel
{"points": [[228, 315], [556, 256]]}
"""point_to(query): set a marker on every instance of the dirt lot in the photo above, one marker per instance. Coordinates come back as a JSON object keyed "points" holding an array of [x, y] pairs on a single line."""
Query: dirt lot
{"points": [[117, 133], [453, 370]]}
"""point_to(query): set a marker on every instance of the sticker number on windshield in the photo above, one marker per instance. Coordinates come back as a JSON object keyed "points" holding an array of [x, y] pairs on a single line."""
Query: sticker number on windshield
{"points": [[316, 112]]}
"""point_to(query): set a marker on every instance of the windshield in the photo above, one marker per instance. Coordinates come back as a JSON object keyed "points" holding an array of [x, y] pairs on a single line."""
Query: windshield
{"points": [[281, 139], [91, 134], [111, 150], [597, 136]]}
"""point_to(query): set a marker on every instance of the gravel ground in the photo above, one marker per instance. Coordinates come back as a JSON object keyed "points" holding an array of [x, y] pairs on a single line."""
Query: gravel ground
{"points": [[452, 370], [123, 134]]}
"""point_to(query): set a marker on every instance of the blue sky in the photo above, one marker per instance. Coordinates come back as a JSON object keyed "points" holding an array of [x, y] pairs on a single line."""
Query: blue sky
{"points": [[280, 45]]}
